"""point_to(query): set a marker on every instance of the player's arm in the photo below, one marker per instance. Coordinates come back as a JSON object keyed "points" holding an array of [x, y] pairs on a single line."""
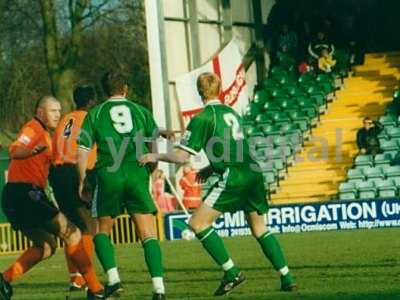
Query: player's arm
{"points": [[194, 139], [178, 156], [25, 146], [85, 144]]}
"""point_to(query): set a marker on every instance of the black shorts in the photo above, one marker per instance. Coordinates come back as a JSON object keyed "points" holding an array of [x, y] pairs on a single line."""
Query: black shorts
{"points": [[27, 206], [65, 183]]}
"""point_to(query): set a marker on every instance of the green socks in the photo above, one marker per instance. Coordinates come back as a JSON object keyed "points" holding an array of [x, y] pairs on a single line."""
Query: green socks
{"points": [[105, 251], [273, 251], [153, 258], [213, 244]]}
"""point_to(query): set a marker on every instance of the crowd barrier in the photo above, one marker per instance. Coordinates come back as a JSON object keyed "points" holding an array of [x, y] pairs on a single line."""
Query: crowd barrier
{"points": [[13, 242]]}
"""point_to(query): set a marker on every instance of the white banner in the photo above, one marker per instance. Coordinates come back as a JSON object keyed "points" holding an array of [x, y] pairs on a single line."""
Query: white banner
{"points": [[229, 67]]}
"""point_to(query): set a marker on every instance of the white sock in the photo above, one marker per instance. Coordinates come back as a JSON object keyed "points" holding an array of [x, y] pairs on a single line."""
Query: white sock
{"points": [[284, 271], [113, 276], [228, 265], [158, 285]]}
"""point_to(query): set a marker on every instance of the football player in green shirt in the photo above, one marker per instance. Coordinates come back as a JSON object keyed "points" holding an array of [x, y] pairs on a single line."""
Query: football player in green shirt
{"points": [[217, 130], [120, 128]]}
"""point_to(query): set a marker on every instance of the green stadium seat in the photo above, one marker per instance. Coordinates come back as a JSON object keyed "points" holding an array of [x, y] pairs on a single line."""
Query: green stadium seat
{"points": [[261, 142], [364, 160], [291, 129], [294, 91], [271, 180], [354, 174], [387, 189], [286, 152], [393, 132], [272, 106], [373, 172], [265, 118], [306, 78], [390, 145], [279, 93], [301, 119], [347, 191], [392, 171], [377, 181], [383, 159], [253, 132], [289, 106], [278, 71], [281, 118], [383, 135], [366, 190], [261, 96], [271, 130], [388, 121]]}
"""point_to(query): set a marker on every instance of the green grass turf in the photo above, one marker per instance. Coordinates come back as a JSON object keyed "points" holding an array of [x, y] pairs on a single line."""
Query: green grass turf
{"points": [[328, 265]]}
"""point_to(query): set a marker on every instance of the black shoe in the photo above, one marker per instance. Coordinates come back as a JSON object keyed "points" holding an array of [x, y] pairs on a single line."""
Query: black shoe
{"points": [[114, 291], [95, 296], [157, 296], [227, 286], [292, 287], [73, 287], [5, 289]]}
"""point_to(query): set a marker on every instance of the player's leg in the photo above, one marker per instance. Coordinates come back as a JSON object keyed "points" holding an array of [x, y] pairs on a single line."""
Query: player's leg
{"points": [[140, 205], [145, 225], [201, 223], [43, 246], [256, 207], [64, 181], [106, 254], [271, 249], [72, 237], [106, 205]]}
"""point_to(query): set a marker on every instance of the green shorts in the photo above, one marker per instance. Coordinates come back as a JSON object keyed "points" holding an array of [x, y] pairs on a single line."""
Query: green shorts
{"points": [[126, 189], [239, 188]]}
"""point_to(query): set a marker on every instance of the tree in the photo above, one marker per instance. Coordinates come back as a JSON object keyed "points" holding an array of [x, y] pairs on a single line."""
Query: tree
{"points": [[63, 52], [48, 46]]}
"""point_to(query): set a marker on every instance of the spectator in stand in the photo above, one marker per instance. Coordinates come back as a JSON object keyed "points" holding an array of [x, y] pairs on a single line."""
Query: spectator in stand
{"points": [[321, 42], [287, 41], [367, 137], [191, 188], [326, 62], [165, 201], [306, 65]]}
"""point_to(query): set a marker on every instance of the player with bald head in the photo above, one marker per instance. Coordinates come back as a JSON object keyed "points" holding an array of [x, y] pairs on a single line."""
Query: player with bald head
{"points": [[26, 205]]}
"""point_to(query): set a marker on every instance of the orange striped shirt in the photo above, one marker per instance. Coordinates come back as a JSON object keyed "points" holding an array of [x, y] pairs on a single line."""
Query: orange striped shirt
{"points": [[34, 169], [65, 140]]}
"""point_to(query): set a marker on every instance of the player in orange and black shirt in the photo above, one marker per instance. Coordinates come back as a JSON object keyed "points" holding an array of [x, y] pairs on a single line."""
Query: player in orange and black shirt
{"points": [[28, 209], [64, 177]]}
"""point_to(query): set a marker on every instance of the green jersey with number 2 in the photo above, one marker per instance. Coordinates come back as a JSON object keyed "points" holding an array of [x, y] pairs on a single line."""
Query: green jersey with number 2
{"points": [[218, 131]]}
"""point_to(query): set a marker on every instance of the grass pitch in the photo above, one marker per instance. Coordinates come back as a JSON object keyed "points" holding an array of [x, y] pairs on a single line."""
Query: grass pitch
{"points": [[344, 265]]}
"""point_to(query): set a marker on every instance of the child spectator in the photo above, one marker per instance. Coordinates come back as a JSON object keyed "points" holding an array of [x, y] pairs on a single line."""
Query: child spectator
{"points": [[191, 188], [306, 66], [326, 62], [165, 201]]}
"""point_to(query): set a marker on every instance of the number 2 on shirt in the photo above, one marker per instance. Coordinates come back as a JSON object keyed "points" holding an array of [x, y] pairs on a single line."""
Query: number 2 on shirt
{"points": [[122, 119], [232, 121]]}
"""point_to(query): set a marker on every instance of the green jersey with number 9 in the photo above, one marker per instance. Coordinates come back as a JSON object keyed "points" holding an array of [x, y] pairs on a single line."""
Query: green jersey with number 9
{"points": [[118, 127], [218, 131]]}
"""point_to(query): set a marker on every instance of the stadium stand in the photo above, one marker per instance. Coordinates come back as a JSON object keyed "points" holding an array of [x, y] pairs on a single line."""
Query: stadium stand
{"points": [[377, 176], [318, 176]]}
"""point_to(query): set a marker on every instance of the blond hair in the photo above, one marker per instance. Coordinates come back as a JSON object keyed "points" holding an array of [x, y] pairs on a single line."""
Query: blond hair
{"points": [[208, 85]]}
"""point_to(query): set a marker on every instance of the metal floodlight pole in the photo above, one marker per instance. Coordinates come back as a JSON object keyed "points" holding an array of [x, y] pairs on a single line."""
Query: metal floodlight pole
{"points": [[158, 70]]}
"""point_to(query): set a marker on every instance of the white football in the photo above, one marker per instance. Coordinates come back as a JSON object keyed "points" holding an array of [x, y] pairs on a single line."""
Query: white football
{"points": [[188, 235]]}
